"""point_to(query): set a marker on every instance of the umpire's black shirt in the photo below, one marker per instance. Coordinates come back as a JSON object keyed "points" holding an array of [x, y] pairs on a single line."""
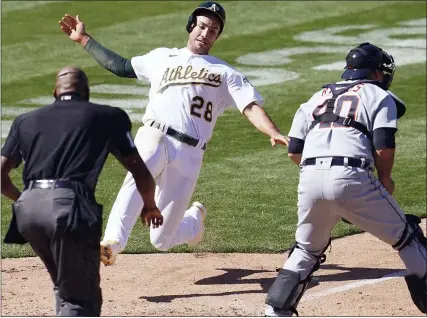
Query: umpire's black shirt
{"points": [[69, 139]]}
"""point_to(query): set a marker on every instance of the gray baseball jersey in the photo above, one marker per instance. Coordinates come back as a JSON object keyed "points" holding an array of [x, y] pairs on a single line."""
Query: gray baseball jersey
{"points": [[365, 102]]}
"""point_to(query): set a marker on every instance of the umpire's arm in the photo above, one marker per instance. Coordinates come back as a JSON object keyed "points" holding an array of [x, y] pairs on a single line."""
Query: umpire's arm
{"points": [[10, 159], [123, 148], [8, 189], [150, 214]]}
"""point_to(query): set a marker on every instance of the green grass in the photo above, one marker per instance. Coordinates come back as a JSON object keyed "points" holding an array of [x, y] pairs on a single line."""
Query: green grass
{"points": [[249, 188]]}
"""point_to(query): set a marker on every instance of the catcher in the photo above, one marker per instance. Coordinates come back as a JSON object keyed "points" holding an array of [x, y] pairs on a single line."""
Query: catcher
{"points": [[337, 138]]}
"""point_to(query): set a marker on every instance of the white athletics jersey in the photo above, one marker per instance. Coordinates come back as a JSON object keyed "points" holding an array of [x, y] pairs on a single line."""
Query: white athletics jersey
{"points": [[190, 91], [366, 103]]}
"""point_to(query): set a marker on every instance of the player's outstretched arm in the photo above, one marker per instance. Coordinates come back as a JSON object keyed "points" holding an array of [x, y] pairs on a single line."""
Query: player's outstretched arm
{"points": [[111, 61], [74, 28], [260, 119]]}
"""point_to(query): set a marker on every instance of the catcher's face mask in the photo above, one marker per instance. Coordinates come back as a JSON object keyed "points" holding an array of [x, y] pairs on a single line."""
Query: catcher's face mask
{"points": [[388, 68]]}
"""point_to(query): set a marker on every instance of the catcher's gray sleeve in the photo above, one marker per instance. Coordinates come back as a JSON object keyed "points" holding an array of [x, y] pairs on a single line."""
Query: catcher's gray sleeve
{"points": [[109, 60], [299, 128]]}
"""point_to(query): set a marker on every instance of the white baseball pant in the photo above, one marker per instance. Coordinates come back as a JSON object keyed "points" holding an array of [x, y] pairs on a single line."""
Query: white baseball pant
{"points": [[175, 166]]}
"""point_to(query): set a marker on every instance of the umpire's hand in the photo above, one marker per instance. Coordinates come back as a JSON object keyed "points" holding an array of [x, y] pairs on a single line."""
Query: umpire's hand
{"points": [[151, 216]]}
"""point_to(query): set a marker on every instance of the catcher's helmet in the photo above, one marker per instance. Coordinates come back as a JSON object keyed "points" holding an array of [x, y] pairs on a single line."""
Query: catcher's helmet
{"points": [[366, 58], [211, 6]]}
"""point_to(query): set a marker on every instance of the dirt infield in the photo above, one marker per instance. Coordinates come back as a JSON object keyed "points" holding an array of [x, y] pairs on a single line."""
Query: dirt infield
{"points": [[361, 277]]}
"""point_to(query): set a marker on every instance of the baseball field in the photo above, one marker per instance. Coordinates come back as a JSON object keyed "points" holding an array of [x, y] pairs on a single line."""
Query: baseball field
{"points": [[287, 49]]}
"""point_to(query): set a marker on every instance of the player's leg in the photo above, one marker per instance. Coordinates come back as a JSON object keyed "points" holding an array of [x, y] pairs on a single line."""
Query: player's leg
{"points": [[316, 218], [196, 213], [177, 184], [128, 204], [411, 246], [173, 201], [370, 207]]}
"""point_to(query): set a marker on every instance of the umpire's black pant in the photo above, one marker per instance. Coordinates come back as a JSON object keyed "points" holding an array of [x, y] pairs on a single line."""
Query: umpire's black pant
{"points": [[64, 226]]}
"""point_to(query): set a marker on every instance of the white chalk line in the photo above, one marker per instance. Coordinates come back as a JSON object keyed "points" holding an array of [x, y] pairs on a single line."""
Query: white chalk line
{"points": [[360, 283]]}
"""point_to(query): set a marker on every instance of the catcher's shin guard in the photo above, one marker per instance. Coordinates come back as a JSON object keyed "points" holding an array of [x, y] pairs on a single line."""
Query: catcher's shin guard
{"points": [[418, 290], [286, 291], [417, 286], [412, 231], [288, 288]]}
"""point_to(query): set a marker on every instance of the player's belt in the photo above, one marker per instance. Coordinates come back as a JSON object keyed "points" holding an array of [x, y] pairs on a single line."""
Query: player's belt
{"points": [[48, 184], [341, 161], [178, 135]]}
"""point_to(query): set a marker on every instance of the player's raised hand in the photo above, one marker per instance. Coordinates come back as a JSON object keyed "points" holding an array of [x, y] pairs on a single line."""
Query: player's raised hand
{"points": [[73, 27], [151, 216], [279, 139]]}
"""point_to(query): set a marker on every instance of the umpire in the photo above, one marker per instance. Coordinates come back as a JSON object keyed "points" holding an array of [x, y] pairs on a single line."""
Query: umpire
{"points": [[64, 147]]}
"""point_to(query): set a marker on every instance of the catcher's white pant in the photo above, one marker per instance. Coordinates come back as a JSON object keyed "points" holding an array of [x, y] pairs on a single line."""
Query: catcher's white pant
{"points": [[325, 194], [175, 166]]}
